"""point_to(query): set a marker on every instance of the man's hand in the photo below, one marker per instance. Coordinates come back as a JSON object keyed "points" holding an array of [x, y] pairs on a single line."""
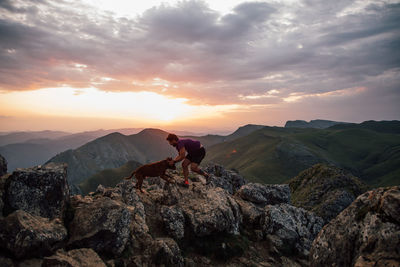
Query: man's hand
{"points": [[181, 156]]}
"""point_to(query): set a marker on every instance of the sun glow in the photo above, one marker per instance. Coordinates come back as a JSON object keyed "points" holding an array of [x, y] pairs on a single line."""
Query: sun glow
{"points": [[91, 102]]}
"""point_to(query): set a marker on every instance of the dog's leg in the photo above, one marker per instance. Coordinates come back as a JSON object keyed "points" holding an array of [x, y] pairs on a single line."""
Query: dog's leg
{"points": [[139, 182], [168, 178]]}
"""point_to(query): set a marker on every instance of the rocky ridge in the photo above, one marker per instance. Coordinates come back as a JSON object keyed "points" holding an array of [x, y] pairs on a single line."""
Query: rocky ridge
{"points": [[170, 225], [367, 233], [325, 189], [225, 222]]}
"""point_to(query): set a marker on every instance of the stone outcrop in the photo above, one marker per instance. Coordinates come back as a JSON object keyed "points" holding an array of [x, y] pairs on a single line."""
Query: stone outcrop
{"points": [[41, 191], [325, 190], [84, 257], [167, 252], [101, 224], [212, 211], [367, 233], [291, 230], [26, 235], [174, 221], [265, 194], [224, 223], [3, 165], [229, 180]]}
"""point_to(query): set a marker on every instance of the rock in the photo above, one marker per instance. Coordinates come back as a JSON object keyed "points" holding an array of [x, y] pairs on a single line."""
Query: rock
{"points": [[3, 180], [171, 195], [127, 192], [84, 257], [229, 180], [211, 212], [325, 190], [103, 225], [166, 252], [366, 233], [24, 235], [291, 230], [41, 191], [251, 214], [174, 221], [6, 262], [3, 166], [265, 194], [30, 262], [215, 181]]}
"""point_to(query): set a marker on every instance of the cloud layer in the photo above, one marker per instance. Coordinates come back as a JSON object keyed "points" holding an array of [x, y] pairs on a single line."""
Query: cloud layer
{"points": [[261, 53]]}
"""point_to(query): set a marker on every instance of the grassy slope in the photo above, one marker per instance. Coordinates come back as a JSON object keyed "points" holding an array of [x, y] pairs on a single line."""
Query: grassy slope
{"points": [[371, 155], [108, 177]]}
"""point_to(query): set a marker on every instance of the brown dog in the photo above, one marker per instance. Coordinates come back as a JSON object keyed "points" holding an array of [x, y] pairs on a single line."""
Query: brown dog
{"points": [[153, 170]]}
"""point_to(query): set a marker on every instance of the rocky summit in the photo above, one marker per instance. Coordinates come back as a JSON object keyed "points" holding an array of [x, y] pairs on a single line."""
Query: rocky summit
{"points": [[325, 189], [367, 233], [225, 222]]}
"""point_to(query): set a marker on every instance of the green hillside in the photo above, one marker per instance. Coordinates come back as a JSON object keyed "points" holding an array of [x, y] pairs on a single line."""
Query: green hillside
{"points": [[114, 150], [108, 177], [275, 154]]}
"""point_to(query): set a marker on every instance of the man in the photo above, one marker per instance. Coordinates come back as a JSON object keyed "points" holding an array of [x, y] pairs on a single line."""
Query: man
{"points": [[195, 154]]}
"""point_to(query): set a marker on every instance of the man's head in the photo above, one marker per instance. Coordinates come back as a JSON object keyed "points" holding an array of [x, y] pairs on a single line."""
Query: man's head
{"points": [[172, 139]]}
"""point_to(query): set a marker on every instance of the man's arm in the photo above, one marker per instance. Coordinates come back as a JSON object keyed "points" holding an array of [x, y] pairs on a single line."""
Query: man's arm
{"points": [[181, 156]]}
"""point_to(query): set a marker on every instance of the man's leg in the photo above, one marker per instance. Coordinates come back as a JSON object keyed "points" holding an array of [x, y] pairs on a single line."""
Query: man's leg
{"points": [[195, 168], [185, 167]]}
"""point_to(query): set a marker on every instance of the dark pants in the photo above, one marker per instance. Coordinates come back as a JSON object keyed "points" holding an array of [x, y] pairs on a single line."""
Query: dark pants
{"points": [[197, 156]]}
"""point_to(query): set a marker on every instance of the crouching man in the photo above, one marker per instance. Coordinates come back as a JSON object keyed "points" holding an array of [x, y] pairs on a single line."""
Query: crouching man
{"points": [[195, 154]]}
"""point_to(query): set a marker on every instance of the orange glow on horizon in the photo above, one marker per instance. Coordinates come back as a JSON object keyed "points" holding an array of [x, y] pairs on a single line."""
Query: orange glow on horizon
{"points": [[90, 102]]}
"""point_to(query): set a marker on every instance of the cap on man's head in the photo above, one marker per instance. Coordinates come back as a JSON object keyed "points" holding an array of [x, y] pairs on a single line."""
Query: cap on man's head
{"points": [[172, 137]]}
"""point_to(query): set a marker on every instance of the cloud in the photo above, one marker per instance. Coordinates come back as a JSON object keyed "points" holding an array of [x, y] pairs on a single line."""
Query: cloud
{"points": [[303, 50]]}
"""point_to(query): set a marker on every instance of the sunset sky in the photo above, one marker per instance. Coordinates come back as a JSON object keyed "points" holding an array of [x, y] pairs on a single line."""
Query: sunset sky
{"points": [[196, 65]]}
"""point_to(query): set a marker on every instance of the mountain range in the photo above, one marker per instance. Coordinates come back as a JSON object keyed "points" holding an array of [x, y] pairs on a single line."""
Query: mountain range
{"points": [[369, 150], [26, 149], [115, 149]]}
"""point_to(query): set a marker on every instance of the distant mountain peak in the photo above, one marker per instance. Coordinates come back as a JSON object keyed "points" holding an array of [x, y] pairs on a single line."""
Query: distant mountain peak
{"points": [[152, 131], [317, 123]]}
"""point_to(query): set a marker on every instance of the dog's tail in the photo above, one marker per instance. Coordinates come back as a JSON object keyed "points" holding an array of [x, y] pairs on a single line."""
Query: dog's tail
{"points": [[130, 177]]}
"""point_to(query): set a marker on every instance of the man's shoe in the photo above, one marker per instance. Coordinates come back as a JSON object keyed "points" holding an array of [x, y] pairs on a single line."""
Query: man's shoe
{"points": [[186, 184]]}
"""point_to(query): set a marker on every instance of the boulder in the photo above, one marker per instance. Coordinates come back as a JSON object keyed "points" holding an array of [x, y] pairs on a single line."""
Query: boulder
{"points": [[84, 257], [325, 190], [102, 224], [252, 215], [6, 262], [24, 234], [211, 211], [264, 194], [3, 180], [166, 252], [174, 221], [3, 165], [125, 192], [229, 180], [290, 229], [366, 233], [32, 262], [41, 191]]}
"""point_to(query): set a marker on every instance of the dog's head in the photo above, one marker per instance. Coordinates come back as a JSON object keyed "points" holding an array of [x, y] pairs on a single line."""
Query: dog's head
{"points": [[171, 163]]}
